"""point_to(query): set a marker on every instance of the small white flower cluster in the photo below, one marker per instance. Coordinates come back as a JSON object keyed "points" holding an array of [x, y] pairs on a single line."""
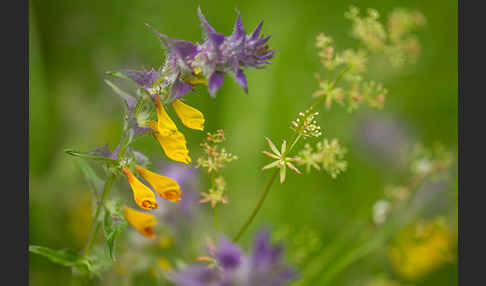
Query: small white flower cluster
{"points": [[328, 154], [306, 125], [216, 157], [216, 194]]}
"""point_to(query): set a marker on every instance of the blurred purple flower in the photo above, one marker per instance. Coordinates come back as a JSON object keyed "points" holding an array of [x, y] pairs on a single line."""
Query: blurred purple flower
{"points": [[104, 151], [267, 267], [196, 275], [384, 136], [187, 178], [264, 267], [228, 255]]}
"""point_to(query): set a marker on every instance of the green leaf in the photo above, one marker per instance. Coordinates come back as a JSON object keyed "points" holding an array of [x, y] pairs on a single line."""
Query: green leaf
{"points": [[93, 265], [117, 74], [90, 175], [76, 153], [64, 257], [114, 224], [127, 98]]}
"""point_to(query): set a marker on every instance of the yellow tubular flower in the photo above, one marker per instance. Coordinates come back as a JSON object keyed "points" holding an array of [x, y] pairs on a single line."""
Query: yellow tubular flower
{"points": [[174, 146], [165, 125], [144, 197], [172, 141], [190, 117], [143, 222], [164, 186]]}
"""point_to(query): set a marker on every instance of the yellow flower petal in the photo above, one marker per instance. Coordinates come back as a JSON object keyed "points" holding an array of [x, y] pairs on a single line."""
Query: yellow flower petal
{"points": [[165, 125], [174, 146], [144, 197], [166, 187], [190, 117], [143, 222]]}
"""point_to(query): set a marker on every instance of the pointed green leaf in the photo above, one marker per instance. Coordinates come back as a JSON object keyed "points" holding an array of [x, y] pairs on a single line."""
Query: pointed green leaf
{"points": [[76, 153], [64, 257], [117, 74]]}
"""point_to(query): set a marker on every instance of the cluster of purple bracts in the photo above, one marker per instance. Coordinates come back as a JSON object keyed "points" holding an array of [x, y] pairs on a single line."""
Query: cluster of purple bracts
{"points": [[264, 266], [189, 64]]}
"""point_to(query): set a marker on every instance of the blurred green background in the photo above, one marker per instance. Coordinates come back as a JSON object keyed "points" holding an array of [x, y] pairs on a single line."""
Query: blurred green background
{"points": [[72, 44]]}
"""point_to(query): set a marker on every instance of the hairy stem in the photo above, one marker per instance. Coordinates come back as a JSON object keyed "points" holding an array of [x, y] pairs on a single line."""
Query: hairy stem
{"points": [[96, 223]]}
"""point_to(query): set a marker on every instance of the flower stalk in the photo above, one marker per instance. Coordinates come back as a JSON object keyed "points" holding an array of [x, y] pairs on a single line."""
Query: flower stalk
{"points": [[319, 101]]}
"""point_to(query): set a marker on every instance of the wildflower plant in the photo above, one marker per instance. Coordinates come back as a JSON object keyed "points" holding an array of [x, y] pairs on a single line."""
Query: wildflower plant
{"points": [[188, 66], [344, 84], [395, 41], [214, 160]]}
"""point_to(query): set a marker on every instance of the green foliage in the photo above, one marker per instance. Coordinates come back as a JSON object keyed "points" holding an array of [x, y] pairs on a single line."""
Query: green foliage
{"points": [[85, 265], [114, 224], [328, 154], [65, 257], [89, 174], [80, 154]]}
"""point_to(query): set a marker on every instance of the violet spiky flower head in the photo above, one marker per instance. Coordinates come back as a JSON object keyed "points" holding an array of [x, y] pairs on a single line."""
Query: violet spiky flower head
{"points": [[188, 64], [177, 68], [220, 54]]}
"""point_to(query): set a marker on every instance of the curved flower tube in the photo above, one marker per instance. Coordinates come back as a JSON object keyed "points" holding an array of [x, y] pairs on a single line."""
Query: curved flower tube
{"points": [[142, 194], [190, 116], [166, 187], [142, 222]]}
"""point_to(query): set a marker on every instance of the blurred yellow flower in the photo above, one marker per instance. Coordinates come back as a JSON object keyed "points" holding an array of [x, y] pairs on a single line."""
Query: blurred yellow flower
{"points": [[165, 241], [144, 197], [190, 117], [143, 222], [164, 264], [166, 187], [421, 248], [80, 221], [172, 141]]}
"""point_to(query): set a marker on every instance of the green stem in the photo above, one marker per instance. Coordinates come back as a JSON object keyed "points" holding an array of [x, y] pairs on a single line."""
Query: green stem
{"points": [[317, 103], [96, 223], [216, 218], [350, 258], [257, 207]]}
